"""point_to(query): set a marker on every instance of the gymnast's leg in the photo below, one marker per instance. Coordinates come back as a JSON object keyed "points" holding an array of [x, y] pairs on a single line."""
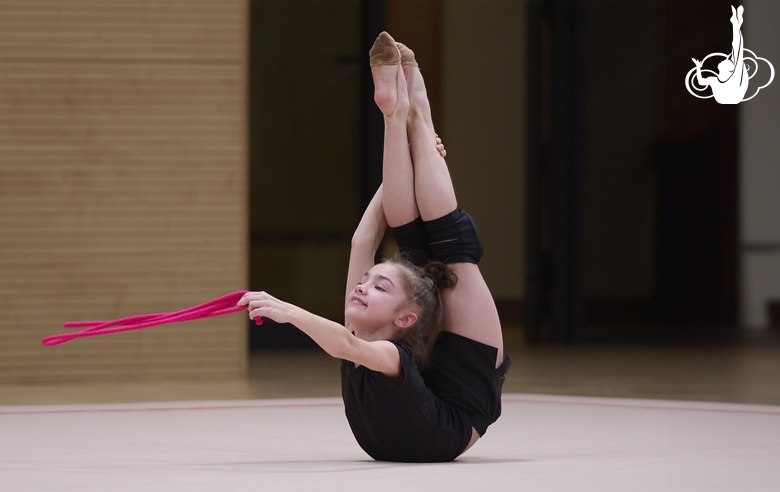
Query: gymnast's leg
{"points": [[392, 99], [469, 309]]}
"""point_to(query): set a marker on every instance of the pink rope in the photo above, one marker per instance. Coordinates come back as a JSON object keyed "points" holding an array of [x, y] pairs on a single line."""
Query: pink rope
{"points": [[216, 307]]}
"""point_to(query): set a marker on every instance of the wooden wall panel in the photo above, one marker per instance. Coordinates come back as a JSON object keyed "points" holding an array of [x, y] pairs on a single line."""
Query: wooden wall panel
{"points": [[122, 184]]}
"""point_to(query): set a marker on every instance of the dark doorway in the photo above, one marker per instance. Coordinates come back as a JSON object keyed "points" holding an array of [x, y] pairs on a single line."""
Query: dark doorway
{"points": [[632, 228]]}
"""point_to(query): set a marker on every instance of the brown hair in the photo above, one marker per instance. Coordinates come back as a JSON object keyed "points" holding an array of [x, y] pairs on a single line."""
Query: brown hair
{"points": [[423, 285]]}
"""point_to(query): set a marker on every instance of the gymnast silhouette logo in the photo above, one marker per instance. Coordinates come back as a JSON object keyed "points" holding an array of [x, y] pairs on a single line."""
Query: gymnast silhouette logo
{"points": [[735, 71]]}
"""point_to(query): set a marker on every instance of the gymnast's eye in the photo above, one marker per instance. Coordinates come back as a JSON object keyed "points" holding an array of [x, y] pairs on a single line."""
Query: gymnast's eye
{"points": [[379, 287]]}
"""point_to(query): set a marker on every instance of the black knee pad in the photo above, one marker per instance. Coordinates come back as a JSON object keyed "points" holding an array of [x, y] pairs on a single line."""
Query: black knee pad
{"points": [[411, 241], [454, 238]]}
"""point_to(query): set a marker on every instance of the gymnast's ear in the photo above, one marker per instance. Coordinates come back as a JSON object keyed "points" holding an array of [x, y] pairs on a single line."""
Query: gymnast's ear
{"points": [[405, 320]]}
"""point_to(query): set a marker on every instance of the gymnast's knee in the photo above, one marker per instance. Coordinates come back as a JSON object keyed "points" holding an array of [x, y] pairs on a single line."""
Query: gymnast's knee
{"points": [[454, 238]]}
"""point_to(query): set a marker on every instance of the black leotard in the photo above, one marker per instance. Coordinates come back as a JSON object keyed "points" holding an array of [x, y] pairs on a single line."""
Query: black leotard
{"points": [[425, 417]]}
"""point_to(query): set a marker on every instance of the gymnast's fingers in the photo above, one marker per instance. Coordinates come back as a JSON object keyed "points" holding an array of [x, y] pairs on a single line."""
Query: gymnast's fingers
{"points": [[271, 308], [258, 307], [255, 313], [440, 146], [251, 296], [245, 299]]}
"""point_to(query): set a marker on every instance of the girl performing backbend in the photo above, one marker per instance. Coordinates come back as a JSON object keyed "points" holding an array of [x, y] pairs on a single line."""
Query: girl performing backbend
{"points": [[423, 356]]}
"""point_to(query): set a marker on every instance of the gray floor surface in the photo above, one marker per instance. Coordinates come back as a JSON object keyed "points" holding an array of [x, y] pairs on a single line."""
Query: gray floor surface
{"points": [[541, 443]]}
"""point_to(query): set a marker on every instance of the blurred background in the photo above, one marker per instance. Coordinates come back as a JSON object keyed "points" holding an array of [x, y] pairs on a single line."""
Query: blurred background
{"points": [[158, 154]]}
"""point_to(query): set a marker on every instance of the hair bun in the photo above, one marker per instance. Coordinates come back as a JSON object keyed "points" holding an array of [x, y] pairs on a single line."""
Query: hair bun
{"points": [[443, 277]]}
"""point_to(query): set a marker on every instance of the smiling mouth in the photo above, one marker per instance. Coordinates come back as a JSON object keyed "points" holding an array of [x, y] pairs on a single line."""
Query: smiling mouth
{"points": [[357, 301]]}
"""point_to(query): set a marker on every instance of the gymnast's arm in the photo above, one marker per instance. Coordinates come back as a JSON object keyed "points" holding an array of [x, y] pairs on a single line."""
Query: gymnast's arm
{"points": [[365, 241], [335, 339]]}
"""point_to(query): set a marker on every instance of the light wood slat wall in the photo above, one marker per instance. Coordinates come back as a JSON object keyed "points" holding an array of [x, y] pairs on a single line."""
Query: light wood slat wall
{"points": [[123, 170]]}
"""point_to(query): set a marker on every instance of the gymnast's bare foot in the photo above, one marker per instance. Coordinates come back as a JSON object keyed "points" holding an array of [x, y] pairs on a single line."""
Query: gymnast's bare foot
{"points": [[386, 71]]}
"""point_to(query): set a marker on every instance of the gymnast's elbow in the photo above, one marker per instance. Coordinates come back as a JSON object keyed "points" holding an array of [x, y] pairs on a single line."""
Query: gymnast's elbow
{"points": [[340, 346], [364, 241]]}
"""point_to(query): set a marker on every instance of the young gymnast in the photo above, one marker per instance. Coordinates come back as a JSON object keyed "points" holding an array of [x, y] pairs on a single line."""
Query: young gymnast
{"points": [[422, 350]]}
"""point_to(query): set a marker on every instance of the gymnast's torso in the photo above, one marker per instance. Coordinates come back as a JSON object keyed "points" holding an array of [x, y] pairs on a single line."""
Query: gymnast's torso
{"points": [[430, 415], [401, 419]]}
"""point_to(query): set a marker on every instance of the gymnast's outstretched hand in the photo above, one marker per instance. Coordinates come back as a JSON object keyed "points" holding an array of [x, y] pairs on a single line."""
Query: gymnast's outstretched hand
{"points": [[440, 146], [262, 304]]}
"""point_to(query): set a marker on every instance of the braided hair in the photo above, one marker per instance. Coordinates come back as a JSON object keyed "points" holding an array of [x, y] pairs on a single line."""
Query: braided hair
{"points": [[423, 284]]}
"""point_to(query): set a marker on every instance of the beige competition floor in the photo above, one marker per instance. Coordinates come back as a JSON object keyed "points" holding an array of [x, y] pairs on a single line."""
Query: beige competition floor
{"points": [[639, 418]]}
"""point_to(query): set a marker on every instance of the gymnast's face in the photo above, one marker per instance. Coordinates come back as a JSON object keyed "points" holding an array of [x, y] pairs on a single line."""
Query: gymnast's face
{"points": [[379, 301]]}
